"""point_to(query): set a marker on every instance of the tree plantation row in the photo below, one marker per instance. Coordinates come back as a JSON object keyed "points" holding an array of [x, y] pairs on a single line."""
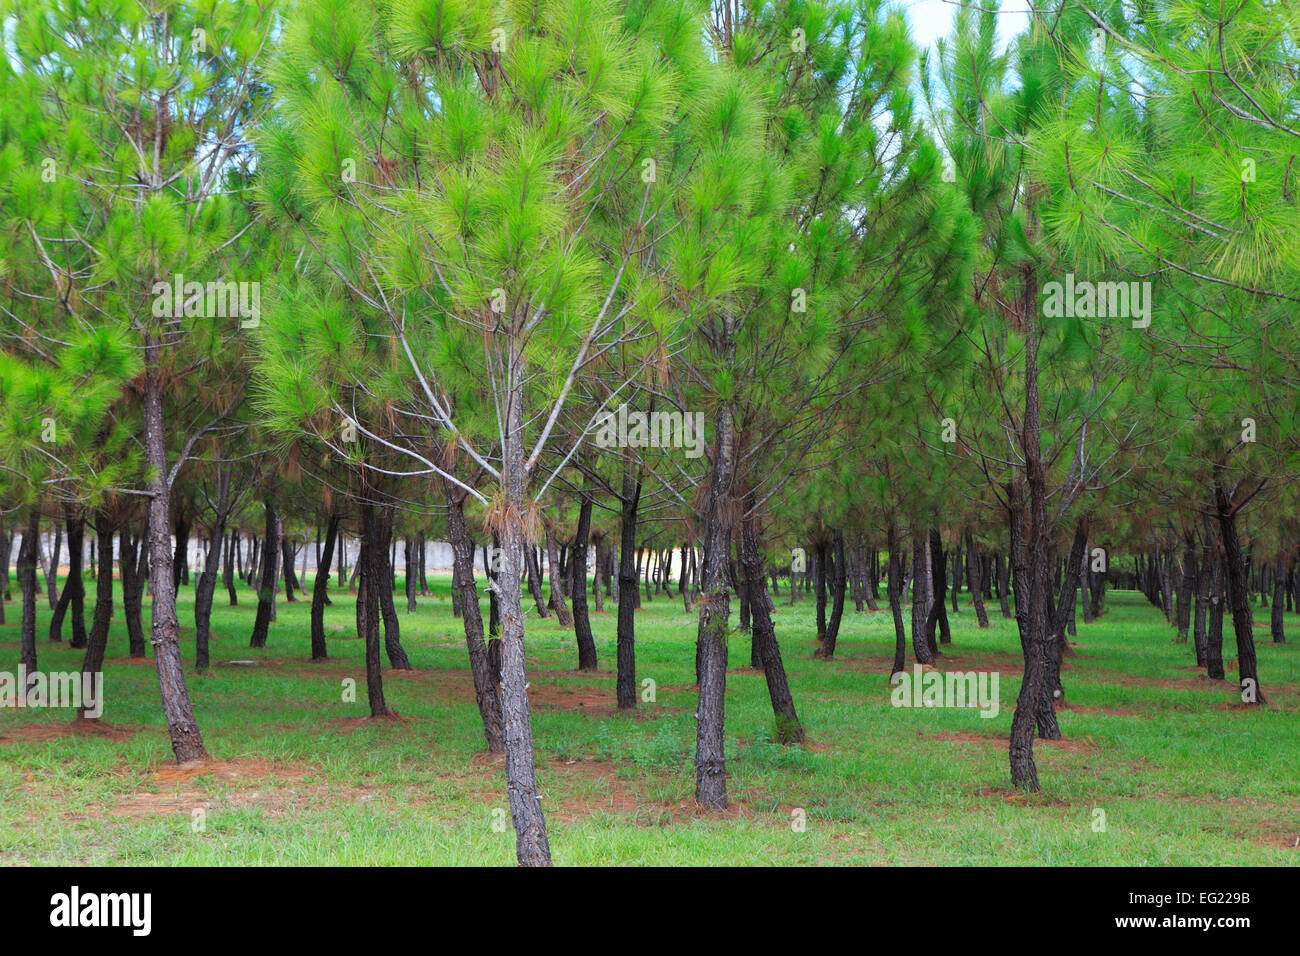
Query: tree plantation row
{"points": [[660, 299]]}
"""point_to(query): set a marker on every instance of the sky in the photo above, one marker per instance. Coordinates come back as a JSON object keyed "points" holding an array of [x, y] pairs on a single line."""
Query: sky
{"points": [[932, 19]]}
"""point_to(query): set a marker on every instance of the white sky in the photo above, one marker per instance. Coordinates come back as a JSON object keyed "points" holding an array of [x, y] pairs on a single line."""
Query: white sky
{"points": [[932, 19]]}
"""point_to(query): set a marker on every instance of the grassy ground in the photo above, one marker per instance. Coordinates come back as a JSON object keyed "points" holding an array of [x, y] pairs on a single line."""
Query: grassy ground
{"points": [[1182, 774]]}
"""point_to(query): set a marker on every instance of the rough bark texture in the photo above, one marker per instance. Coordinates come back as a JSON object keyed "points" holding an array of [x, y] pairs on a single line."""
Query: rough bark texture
{"points": [[920, 600], [485, 679], [385, 581], [894, 593], [97, 641], [266, 588], [532, 845], [578, 563], [368, 607], [839, 581], [27, 561], [132, 560], [208, 577], [788, 728], [715, 608], [1238, 599], [627, 592], [73, 597], [553, 576], [320, 589], [187, 742], [974, 574]]}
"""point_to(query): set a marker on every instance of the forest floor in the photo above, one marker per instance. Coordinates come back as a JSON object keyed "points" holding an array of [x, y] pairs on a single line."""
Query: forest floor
{"points": [[1158, 766]]}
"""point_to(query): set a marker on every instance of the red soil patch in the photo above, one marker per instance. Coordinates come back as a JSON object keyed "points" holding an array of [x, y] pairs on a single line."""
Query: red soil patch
{"points": [[585, 699], [356, 723], [614, 794], [178, 793], [1070, 745], [1017, 797], [39, 733], [230, 771]]}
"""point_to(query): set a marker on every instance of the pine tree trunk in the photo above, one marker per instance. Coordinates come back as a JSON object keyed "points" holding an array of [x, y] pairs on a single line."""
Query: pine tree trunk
{"points": [[715, 608], [73, 596], [894, 592], [1276, 622], [97, 641], [28, 558], [320, 588], [839, 582], [975, 578], [228, 572], [186, 740], [486, 680], [937, 614], [788, 728], [1238, 599], [286, 560], [132, 555], [553, 578], [627, 592], [370, 565], [1204, 584], [266, 587], [920, 600], [385, 584], [578, 562], [408, 559], [1214, 639], [532, 846]]}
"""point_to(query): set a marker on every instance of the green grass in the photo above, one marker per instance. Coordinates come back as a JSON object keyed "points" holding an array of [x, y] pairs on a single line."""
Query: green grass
{"points": [[1182, 775]]}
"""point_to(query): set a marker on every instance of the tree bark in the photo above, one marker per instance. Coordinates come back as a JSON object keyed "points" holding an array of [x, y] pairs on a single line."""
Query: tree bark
{"points": [[97, 641], [485, 678], [839, 582], [73, 596], [893, 591], [386, 582], [187, 741], [320, 588], [28, 557], [715, 608], [578, 563], [267, 586], [627, 591], [532, 845], [1238, 598], [553, 577], [371, 571], [788, 728]]}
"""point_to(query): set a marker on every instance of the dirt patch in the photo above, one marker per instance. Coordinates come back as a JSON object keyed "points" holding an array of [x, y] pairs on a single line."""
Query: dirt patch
{"points": [[39, 733], [176, 788], [1022, 798], [357, 723], [1083, 744], [613, 794], [582, 699]]}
